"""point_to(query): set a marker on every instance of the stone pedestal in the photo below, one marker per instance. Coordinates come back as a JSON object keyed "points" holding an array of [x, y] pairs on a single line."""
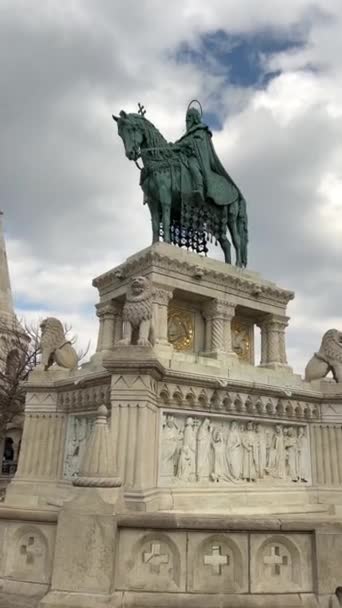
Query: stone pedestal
{"points": [[231, 473], [216, 290]]}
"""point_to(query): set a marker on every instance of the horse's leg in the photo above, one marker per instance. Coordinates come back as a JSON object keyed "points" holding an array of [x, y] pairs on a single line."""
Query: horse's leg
{"points": [[155, 219], [226, 248], [165, 201], [233, 228]]}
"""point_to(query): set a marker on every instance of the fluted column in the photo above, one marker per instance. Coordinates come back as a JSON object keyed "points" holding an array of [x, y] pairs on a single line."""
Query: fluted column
{"points": [[218, 315], [42, 443], [160, 299], [273, 348], [108, 314]]}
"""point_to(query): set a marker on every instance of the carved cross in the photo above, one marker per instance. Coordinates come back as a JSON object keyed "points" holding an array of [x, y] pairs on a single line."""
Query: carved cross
{"points": [[30, 550], [216, 560], [275, 560], [155, 558]]}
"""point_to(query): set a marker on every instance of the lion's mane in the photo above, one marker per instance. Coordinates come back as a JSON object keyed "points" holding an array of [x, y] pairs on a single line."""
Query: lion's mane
{"points": [[53, 335], [331, 346], [138, 307]]}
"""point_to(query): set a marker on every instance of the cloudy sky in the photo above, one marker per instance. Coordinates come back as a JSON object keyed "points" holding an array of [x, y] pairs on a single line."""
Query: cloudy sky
{"points": [[269, 76]]}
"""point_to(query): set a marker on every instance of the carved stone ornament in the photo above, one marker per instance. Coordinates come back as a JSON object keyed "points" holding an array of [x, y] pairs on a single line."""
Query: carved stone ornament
{"points": [[241, 339], [328, 359], [137, 314], [181, 329], [208, 449]]}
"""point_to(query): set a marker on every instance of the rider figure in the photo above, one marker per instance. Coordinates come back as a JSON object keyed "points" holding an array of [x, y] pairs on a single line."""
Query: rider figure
{"points": [[194, 130]]}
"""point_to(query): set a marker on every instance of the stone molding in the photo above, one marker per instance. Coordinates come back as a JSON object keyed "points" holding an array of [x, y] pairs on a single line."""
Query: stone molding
{"points": [[74, 399], [237, 402], [243, 282]]}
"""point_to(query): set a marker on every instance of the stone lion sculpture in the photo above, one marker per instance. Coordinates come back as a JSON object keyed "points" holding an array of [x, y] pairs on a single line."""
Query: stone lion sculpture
{"points": [[54, 346], [328, 358], [137, 313]]}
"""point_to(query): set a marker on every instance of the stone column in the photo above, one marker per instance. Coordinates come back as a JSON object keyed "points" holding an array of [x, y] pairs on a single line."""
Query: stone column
{"points": [[218, 315], [42, 445], [160, 299], [273, 349], [264, 342], [135, 421], [108, 313]]}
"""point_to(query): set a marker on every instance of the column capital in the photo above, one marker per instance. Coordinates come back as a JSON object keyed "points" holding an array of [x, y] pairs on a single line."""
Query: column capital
{"points": [[219, 309], [274, 322], [107, 309], [162, 295]]}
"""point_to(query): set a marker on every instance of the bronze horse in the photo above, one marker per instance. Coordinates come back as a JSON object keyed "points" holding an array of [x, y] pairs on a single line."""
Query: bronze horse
{"points": [[166, 183]]}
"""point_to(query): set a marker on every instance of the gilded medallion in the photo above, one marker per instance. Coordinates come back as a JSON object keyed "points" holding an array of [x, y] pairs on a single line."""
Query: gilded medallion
{"points": [[241, 338], [181, 329]]}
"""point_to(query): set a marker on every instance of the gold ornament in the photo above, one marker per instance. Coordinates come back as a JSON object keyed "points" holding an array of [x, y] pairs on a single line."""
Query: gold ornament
{"points": [[181, 329], [241, 339]]}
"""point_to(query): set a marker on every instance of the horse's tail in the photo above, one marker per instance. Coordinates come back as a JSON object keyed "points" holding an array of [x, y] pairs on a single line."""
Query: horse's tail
{"points": [[242, 225]]}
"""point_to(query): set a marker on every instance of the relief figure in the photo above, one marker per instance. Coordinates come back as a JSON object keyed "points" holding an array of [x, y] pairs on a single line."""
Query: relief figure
{"points": [[277, 466], [291, 450], [187, 457], [234, 450], [249, 458], [170, 438], [220, 471], [303, 455], [260, 450], [204, 450]]}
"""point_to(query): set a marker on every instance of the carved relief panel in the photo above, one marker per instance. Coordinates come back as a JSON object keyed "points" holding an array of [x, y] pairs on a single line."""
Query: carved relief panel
{"points": [[78, 431], [152, 561], [206, 450], [281, 563]]}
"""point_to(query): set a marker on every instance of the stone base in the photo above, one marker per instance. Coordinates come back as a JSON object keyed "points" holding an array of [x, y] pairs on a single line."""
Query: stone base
{"points": [[58, 599], [171, 600]]}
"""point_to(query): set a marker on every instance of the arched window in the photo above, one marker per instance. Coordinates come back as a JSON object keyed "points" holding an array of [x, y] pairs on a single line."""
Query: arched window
{"points": [[8, 455], [12, 363]]}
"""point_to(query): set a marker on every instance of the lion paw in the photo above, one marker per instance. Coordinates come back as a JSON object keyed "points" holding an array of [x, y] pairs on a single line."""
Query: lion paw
{"points": [[144, 342], [124, 342]]}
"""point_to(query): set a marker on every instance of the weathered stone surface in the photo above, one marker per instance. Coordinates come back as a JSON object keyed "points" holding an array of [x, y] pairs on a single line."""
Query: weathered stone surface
{"points": [[85, 545], [152, 561], [281, 563]]}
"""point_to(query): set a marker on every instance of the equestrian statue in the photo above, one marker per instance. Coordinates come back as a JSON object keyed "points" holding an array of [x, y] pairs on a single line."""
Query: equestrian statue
{"points": [[191, 197]]}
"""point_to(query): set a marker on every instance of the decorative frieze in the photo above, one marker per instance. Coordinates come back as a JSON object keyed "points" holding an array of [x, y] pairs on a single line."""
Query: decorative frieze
{"points": [[240, 403], [213, 274], [84, 398], [215, 562], [210, 449]]}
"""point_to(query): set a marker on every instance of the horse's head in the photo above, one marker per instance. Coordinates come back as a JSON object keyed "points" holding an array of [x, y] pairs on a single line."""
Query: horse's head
{"points": [[131, 131]]}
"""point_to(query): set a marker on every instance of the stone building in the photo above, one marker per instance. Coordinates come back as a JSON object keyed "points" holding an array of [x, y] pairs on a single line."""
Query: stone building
{"points": [[175, 468], [10, 444]]}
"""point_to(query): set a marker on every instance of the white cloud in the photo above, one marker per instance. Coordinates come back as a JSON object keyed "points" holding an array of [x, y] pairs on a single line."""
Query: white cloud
{"points": [[72, 200]]}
